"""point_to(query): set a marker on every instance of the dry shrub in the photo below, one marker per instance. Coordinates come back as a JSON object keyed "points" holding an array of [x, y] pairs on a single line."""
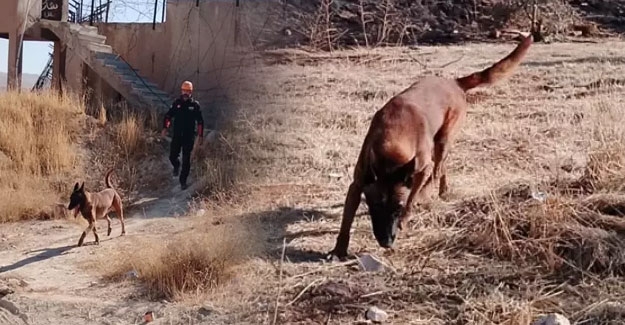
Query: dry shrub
{"points": [[37, 130], [38, 133], [604, 169], [192, 262], [221, 168], [561, 234], [129, 135]]}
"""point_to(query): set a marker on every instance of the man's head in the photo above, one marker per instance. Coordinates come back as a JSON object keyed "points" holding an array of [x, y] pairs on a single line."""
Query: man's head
{"points": [[386, 198], [186, 89]]}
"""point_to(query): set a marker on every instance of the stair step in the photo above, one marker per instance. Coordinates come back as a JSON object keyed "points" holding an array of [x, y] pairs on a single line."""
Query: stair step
{"points": [[89, 28], [144, 83], [92, 38], [156, 94], [118, 64], [100, 48], [152, 92], [112, 56]]}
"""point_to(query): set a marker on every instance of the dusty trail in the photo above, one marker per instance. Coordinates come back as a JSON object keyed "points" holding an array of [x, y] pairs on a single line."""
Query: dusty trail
{"points": [[54, 283]]}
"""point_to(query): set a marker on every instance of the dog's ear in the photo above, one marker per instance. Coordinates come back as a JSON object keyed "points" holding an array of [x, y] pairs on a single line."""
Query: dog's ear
{"points": [[405, 173], [82, 187], [76, 186]]}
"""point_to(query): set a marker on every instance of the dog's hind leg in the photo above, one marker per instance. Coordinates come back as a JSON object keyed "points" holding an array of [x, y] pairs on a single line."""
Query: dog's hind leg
{"points": [[108, 231], [442, 143], [117, 203], [95, 233]]}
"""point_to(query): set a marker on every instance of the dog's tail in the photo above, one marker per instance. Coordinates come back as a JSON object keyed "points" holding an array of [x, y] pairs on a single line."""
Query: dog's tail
{"points": [[497, 71], [107, 178]]}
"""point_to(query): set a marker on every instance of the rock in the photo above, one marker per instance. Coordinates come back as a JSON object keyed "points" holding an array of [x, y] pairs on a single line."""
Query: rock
{"points": [[132, 274], [552, 319], [4, 291], [148, 316], [376, 315], [369, 263], [205, 311], [539, 196]]}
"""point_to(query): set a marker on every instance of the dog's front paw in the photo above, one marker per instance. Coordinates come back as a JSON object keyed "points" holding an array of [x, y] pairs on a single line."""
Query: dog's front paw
{"points": [[336, 255], [123, 234]]}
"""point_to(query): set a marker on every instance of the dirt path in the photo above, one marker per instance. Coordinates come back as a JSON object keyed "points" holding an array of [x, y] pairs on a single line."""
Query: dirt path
{"points": [[55, 282]]}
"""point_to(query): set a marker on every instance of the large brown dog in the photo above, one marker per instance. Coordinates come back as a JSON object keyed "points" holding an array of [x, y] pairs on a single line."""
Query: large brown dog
{"points": [[95, 206], [407, 145]]}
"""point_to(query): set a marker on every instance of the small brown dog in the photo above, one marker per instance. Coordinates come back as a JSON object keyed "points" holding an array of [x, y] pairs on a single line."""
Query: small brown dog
{"points": [[95, 206], [407, 145]]}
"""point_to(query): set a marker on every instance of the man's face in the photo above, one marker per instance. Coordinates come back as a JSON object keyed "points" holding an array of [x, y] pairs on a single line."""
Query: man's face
{"points": [[186, 94]]}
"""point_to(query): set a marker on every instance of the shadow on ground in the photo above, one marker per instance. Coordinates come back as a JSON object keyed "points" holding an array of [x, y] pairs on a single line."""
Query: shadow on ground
{"points": [[45, 253], [275, 225]]}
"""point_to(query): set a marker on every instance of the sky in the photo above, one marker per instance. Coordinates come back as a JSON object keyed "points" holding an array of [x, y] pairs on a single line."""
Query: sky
{"points": [[36, 54]]}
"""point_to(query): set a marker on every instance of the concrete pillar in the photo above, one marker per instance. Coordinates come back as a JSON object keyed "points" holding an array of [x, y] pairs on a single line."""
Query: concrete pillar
{"points": [[58, 66], [14, 79]]}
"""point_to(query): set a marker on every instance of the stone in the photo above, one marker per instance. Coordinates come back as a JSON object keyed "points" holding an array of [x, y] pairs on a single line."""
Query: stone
{"points": [[149, 316], [205, 311], [370, 263], [376, 315], [552, 319], [132, 274]]}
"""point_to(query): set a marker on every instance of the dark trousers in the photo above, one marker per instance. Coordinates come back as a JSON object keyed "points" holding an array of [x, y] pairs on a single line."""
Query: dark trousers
{"points": [[186, 144]]}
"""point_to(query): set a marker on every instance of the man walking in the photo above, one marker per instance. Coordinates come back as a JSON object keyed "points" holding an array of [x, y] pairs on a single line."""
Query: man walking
{"points": [[185, 111]]}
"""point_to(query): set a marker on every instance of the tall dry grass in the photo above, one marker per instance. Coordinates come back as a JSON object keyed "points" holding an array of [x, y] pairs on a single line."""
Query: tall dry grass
{"points": [[38, 134], [489, 253], [129, 135], [192, 262]]}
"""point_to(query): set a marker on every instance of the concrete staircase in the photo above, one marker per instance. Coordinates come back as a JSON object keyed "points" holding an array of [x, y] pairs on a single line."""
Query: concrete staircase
{"points": [[91, 47]]}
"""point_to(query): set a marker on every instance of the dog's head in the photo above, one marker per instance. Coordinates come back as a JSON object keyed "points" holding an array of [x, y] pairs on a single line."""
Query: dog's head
{"points": [[386, 198], [77, 197]]}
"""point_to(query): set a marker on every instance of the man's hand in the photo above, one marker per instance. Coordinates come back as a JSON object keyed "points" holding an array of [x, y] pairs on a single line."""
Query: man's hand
{"points": [[164, 132]]}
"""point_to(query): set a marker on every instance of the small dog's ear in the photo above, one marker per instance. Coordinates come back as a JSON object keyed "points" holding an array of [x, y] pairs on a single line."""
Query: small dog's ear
{"points": [[82, 187], [76, 187]]}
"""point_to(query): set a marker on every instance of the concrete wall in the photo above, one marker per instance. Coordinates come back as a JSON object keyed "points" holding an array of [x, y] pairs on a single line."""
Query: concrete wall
{"points": [[145, 49], [16, 19], [8, 10], [195, 43]]}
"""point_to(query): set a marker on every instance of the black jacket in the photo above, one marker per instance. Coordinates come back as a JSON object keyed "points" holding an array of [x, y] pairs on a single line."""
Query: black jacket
{"points": [[185, 113]]}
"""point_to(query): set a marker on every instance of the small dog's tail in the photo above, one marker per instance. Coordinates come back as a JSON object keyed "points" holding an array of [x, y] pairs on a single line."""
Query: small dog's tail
{"points": [[497, 71], [107, 178]]}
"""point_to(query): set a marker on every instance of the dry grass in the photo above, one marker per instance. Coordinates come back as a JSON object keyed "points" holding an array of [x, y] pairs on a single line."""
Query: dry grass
{"points": [[190, 263], [492, 253], [38, 147], [129, 135], [128, 141]]}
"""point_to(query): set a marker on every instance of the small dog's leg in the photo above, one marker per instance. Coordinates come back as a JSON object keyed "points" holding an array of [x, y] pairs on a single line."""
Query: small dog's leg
{"points": [[443, 141], [108, 219], [95, 233], [82, 238], [120, 212], [84, 233]]}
